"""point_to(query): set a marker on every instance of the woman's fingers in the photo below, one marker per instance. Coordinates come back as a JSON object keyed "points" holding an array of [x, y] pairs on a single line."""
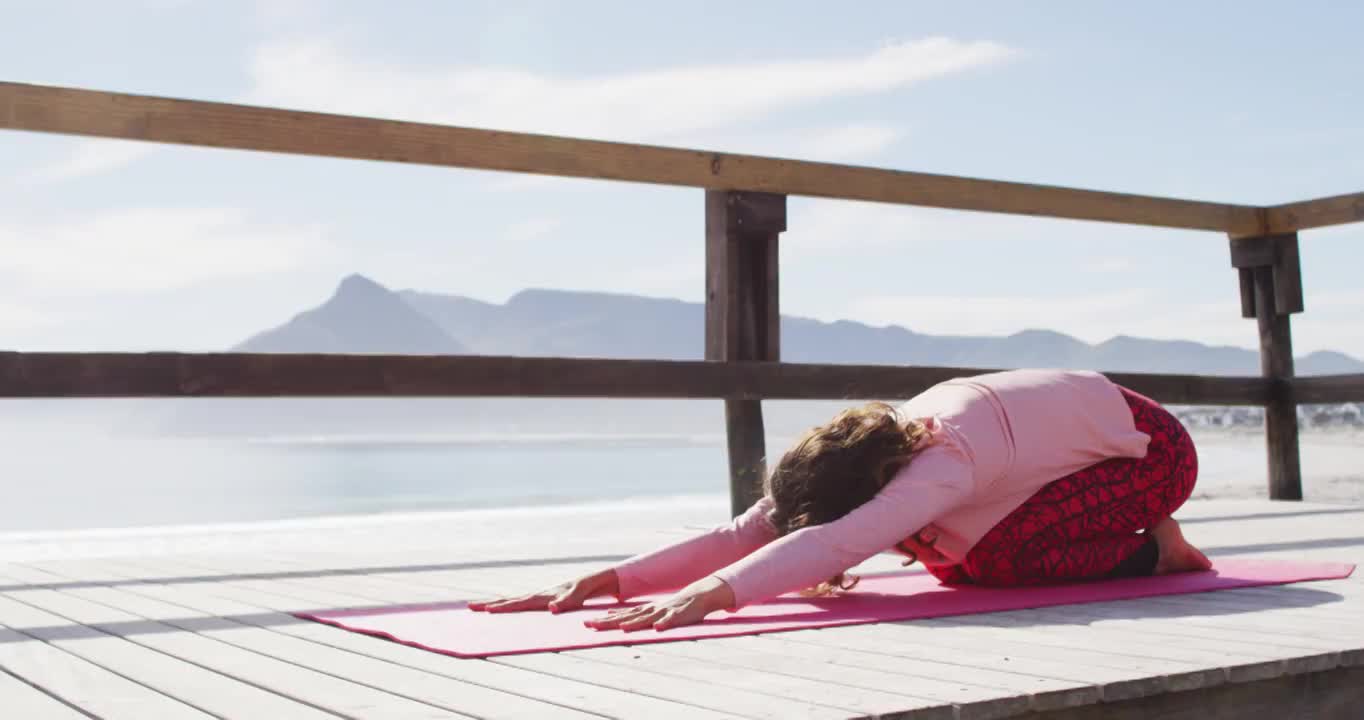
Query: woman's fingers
{"points": [[617, 618], [921, 546], [658, 617], [537, 601], [643, 620], [669, 619], [486, 604], [570, 599]]}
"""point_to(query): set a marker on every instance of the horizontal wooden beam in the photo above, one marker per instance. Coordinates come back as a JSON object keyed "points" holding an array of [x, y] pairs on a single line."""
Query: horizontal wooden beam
{"points": [[1322, 212], [264, 375], [136, 117], [1324, 389]]}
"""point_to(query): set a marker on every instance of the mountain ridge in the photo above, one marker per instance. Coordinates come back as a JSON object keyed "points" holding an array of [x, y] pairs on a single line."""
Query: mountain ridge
{"points": [[364, 316]]}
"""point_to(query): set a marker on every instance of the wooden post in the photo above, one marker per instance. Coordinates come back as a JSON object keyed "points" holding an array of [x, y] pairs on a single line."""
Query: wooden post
{"points": [[1271, 289], [742, 318]]}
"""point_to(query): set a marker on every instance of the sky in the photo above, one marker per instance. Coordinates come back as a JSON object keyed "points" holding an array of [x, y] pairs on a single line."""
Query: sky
{"points": [[114, 245]]}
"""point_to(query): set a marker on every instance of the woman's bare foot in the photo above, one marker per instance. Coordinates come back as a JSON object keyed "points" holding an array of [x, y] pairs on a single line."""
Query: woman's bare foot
{"points": [[1176, 554]]}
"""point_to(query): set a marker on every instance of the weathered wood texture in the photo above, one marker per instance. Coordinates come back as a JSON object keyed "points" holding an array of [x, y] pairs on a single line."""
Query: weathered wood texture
{"points": [[1336, 694], [743, 319], [1321, 212], [1329, 389], [136, 117], [1281, 412], [1279, 253], [1270, 277], [193, 624], [265, 375]]}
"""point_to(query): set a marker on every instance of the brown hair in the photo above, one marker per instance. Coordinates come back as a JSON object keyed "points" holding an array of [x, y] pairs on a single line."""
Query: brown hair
{"points": [[838, 466]]}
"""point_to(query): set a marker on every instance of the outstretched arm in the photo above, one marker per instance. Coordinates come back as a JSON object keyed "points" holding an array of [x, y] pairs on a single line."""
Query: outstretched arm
{"points": [[936, 481], [679, 564], [667, 568]]}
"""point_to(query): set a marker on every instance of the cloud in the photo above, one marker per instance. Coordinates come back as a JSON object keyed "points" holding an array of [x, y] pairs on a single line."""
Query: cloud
{"points": [[1330, 321], [151, 249], [651, 105], [14, 318], [530, 229], [274, 15], [91, 157], [820, 227], [851, 141], [1108, 265]]}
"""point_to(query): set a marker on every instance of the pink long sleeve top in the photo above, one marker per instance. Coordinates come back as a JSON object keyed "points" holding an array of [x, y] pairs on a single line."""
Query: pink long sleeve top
{"points": [[996, 439]]}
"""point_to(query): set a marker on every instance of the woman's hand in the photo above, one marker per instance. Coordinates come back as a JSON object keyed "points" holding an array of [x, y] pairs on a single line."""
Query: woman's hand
{"points": [[560, 598], [689, 606], [921, 544]]}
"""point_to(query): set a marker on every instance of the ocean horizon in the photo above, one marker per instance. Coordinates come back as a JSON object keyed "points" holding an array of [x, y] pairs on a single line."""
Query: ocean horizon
{"points": [[73, 481]]}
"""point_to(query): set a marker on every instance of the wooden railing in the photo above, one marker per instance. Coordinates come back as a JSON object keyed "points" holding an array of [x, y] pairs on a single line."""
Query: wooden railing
{"points": [[745, 206]]}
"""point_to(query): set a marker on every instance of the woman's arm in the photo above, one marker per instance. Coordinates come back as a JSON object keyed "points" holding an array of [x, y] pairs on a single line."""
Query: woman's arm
{"points": [[933, 483], [667, 568], [682, 563]]}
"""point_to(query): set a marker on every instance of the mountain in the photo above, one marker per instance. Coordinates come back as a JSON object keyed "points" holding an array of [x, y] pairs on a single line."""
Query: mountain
{"points": [[363, 316], [571, 324]]}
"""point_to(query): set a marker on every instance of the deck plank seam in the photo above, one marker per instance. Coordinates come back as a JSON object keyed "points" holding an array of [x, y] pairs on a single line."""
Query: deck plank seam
{"points": [[530, 672], [55, 697], [99, 627], [102, 666], [188, 629]]}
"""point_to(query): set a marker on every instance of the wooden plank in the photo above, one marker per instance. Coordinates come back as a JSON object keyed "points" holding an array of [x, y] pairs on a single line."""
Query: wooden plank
{"points": [[610, 702], [960, 654], [1321, 212], [136, 117], [1269, 623], [267, 611], [1112, 675], [317, 589], [1244, 658], [1245, 284], [1157, 626], [425, 687], [26, 701], [265, 375], [290, 680], [676, 689], [1329, 389], [190, 684], [924, 684], [1331, 695], [743, 322], [756, 680], [1043, 693], [85, 685], [1281, 412], [1288, 276], [792, 679], [388, 592]]}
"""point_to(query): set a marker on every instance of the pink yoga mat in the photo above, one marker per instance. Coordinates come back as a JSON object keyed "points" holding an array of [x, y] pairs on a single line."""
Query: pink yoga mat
{"points": [[453, 629]]}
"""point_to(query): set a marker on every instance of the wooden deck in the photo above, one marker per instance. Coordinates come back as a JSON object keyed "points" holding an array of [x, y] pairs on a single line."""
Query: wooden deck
{"points": [[194, 623]]}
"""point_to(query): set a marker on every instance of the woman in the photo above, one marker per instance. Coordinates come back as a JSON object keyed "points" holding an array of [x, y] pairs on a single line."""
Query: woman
{"points": [[1006, 479]]}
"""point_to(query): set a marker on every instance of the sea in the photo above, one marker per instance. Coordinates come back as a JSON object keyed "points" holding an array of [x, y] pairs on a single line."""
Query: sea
{"points": [[62, 471]]}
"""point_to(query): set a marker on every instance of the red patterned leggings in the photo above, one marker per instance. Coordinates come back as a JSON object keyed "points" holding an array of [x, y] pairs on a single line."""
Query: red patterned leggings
{"points": [[1088, 524]]}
